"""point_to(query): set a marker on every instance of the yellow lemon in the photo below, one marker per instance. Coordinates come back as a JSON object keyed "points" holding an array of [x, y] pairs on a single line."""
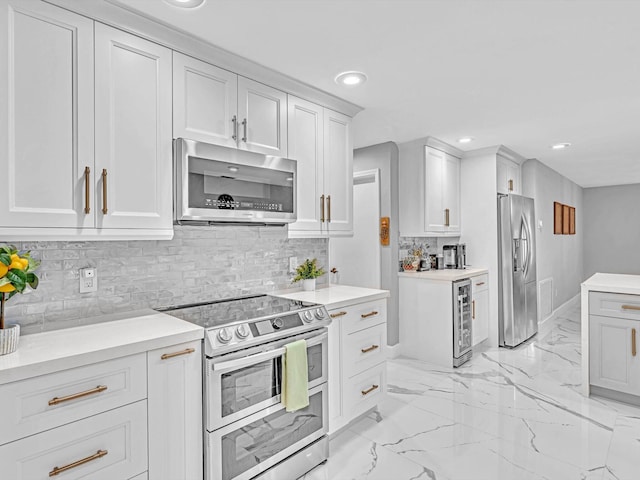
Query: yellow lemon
{"points": [[7, 288], [17, 264], [3, 269], [25, 262]]}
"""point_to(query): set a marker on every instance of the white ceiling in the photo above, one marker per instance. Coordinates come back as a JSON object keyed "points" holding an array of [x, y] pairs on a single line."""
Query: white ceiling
{"points": [[525, 74]]}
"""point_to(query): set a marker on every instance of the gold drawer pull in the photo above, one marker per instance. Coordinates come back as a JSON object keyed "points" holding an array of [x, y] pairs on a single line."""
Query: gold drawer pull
{"points": [[370, 314], [631, 307], [339, 314], [95, 456], [633, 342], [186, 351], [322, 208], [57, 400], [511, 185], [369, 390], [87, 189], [479, 284], [104, 191], [370, 349]]}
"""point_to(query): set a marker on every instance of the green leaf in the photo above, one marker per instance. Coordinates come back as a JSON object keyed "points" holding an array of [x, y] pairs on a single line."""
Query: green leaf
{"points": [[32, 280], [5, 258], [18, 278], [4, 281]]}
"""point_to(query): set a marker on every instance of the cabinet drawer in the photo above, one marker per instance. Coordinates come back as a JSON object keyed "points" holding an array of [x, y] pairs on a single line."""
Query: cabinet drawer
{"points": [[361, 316], [40, 403], [364, 349], [364, 390], [480, 283], [614, 305], [142, 476], [107, 446]]}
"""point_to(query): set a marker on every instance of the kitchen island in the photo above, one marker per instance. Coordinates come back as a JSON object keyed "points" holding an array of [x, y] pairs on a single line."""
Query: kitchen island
{"points": [[610, 305]]}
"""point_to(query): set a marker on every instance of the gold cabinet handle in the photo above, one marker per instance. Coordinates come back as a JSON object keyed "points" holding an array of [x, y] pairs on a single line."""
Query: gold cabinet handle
{"points": [[104, 191], [186, 351], [473, 309], [370, 349], [87, 190], [328, 208], [370, 314], [633, 342], [511, 185], [479, 284], [95, 456], [369, 390], [322, 208], [73, 396], [338, 314], [631, 307], [446, 217]]}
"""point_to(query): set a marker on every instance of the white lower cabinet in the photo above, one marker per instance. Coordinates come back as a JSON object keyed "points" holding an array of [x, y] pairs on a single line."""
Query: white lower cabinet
{"points": [[107, 446], [124, 418], [175, 412], [357, 360]]}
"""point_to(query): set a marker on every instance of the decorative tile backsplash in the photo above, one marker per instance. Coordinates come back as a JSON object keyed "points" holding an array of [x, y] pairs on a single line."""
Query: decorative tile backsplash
{"points": [[426, 244], [200, 263]]}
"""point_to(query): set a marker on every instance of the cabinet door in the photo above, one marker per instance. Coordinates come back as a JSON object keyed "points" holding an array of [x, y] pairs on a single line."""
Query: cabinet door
{"points": [[612, 363], [133, 131], [434, 214], [46, 115], [205, 100], [175, 412], [508, 176], [451, 193], [338, 172], [262, 115], [480, 316], [305, 136]]}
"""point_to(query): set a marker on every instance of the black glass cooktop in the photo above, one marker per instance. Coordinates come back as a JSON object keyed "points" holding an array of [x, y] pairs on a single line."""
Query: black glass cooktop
{"points": [[222, 312]]}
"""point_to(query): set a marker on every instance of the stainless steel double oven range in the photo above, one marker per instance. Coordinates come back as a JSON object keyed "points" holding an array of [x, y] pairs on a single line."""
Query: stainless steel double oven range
{"points": [[247, 432]]}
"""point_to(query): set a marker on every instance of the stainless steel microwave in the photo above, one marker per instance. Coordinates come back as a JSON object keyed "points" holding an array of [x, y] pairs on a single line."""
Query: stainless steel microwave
{"points": [[218, 185]]}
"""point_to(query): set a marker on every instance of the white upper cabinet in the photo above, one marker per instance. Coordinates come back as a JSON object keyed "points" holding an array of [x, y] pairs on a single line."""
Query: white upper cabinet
{"points": [[217, 106], [133, 131], [508, 175], [205, 100], [46, 116], [320, 141]]}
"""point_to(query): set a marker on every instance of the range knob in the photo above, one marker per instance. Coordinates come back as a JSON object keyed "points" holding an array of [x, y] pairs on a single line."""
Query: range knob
{"points": [[224, 335], [307, 316], [242, 331], [277, 323], [320, 313]]}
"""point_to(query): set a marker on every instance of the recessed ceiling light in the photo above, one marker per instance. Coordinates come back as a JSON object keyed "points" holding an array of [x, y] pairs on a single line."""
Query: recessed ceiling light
{"points": [[560, 146], [185, 3], [289, 179], [465, 140], [351, 79], [233, 169]]}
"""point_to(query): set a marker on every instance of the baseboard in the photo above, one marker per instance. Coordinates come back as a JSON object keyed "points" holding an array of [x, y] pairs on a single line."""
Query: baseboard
{"points": [[393, 351], [562, 309]]}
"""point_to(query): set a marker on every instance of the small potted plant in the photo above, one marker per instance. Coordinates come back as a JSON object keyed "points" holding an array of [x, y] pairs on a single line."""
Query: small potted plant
{"points": [[308, 271], [16, 273]]}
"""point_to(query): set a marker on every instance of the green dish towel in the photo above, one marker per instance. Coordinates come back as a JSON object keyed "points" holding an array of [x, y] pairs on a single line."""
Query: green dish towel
{"points": [[295, 376]]}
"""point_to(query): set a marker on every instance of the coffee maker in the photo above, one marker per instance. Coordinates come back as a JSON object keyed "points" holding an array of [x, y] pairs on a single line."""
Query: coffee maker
{"points": [[455, 256]]}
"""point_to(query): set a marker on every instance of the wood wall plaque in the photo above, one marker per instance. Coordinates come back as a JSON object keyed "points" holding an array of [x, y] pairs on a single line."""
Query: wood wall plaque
{"points": [[557, 218], [572, 220], [565, 219]]}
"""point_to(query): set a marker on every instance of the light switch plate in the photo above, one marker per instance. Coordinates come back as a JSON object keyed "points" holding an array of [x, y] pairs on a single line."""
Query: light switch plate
{"points": [[88, 280]]}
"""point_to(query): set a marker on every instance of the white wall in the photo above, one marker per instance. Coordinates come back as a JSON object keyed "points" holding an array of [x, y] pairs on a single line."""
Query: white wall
{"points": [[559, 257], [611, 230]]}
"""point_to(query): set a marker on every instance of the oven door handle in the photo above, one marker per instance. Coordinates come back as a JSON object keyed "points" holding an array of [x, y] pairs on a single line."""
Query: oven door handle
{"points": [[263, 356]]}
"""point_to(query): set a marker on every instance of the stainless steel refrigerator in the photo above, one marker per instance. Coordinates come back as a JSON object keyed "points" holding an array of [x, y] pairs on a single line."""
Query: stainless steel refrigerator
{"points": [[517, 293]]}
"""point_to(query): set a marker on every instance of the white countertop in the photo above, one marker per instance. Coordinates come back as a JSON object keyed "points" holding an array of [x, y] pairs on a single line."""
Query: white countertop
{"points": [[42, 353], [335, 296], [446, 275], [613, 282]]}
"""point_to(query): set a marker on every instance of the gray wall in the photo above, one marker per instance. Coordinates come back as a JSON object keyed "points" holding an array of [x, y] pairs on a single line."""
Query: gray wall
{"points": [[612, 230], [200, 263], [558, 256], [385, 157]]}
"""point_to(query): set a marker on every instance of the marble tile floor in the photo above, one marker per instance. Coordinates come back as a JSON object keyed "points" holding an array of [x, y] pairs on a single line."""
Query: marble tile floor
{"points": [[505, 415]]}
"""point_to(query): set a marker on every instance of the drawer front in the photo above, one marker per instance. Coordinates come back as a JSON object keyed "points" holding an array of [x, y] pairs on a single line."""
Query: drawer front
{"points": [[365, 390], [107, 446], [360, 316], [142, 476], [364, 349], [614, 305], [40, 403], [480, 283]]}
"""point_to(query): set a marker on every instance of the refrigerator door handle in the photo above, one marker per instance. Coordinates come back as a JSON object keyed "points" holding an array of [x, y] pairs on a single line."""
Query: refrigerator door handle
{"points": [[516, 253], [526, 260]]}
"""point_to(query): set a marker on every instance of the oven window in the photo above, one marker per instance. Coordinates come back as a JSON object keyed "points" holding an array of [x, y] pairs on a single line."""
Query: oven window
{"points": [[250, 385], [258, 441], [314, 361]]}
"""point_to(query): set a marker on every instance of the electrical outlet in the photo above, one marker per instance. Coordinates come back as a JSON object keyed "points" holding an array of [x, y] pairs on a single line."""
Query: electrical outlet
{"points": [[88, 280], [293, 263]]}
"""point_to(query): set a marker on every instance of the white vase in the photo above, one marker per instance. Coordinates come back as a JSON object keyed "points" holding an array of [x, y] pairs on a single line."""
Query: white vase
{"points": [[309, 285], [9, 337]]}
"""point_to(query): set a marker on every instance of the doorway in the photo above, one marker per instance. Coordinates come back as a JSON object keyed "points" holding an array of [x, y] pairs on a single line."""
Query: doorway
{"points": [[357, 258]]}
